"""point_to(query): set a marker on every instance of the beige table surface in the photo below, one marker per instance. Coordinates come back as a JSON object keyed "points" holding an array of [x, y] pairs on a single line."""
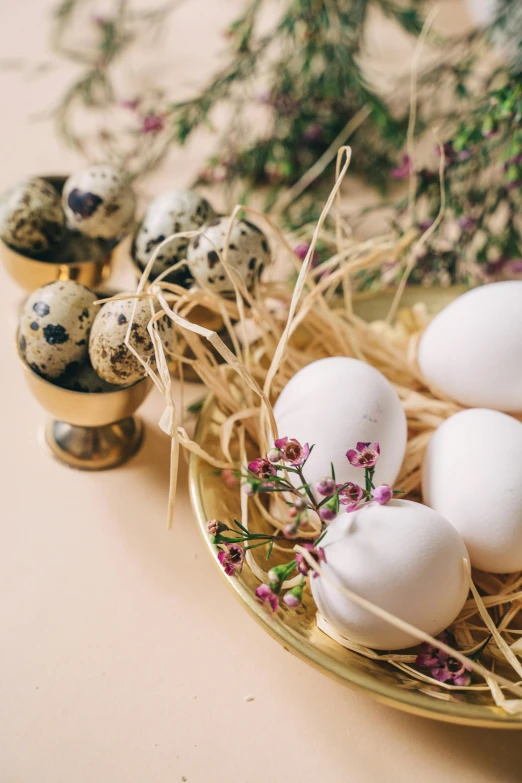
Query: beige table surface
{"points": [[123, 657]]}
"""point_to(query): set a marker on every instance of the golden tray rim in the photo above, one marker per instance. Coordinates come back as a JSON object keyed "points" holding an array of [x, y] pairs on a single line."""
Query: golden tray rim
{"points": [[410, 701]]}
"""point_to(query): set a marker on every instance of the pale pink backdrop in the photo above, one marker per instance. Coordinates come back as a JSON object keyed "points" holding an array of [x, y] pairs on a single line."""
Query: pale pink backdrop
{"points": [[123, 656]]}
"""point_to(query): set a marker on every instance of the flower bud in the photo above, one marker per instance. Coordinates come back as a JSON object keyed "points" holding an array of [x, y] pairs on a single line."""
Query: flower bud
{"points": [[325, 486], [382, 494], [274, 455], [294, 596], [327, 514]]}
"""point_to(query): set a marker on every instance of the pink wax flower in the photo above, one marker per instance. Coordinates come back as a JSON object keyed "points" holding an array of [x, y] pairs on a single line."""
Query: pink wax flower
{"points": [[232, 559], [363, 456], [229, 477], [404, 170], [294, 596], [350, 495], [215, 527], [130, 103], [292, 451], [267, 596], [261, 467], [442, 666], [326, 487], [327, 514], [317, 554], [382, 494], [152, 123], [313, 132]]}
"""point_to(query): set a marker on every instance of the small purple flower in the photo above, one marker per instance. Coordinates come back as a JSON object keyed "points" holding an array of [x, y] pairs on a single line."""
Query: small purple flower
{"points": [[300, 505], [317, 553], [284, 104], [363, 456], [294, 596], [326, 487], [442, 666], [301, 250], [513, 267], [291, 599], [248, 489], [382, 494], [404, 170], [262, 468], [425, 225], [327, 514], [350, 495], [229, 477], [215, 527], [266, 595], [152, 123], [313, 132], [292, 451], [467, 222], [232, 559], [290, 530], [130, 103]]}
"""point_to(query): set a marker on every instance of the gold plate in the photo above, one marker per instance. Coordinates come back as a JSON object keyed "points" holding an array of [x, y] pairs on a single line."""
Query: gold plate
{"points": [[297, 630]]}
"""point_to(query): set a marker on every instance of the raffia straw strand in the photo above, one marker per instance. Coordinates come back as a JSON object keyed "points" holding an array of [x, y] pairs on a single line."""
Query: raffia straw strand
{"points": [[402, 625]]}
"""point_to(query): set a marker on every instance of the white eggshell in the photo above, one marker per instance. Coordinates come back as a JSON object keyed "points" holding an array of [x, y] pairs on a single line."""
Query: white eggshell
{"points": [[98, 201], [472, 350], [472, 475], [403, 557], [334, 403]]}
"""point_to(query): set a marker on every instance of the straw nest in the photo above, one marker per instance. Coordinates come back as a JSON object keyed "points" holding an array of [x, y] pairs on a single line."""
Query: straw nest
{"points": [[265, 336]]}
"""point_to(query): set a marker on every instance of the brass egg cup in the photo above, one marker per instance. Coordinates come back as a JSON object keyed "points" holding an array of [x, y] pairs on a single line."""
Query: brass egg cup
{"points": [[31, 273], [90, 430]]}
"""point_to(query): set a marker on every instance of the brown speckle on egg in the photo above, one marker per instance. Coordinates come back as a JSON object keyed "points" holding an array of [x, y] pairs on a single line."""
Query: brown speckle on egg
{"points": [[99, 202], [172, 212], [54, 327], [31, 217], [109, 355], [248, 253]]}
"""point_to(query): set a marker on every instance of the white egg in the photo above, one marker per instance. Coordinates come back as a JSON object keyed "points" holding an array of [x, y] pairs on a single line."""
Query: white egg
{"points": [[403, 557], [472, 475], [98, 201], [472, 350], [335, 403]]}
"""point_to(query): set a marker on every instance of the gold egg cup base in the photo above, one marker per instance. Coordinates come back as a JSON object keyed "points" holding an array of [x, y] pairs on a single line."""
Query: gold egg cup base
{"points": [[94, 448]]}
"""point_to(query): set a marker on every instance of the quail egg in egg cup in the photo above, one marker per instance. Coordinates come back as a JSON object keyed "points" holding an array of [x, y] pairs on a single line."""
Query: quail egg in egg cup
{"points": [[89, 430], [74, 257]]}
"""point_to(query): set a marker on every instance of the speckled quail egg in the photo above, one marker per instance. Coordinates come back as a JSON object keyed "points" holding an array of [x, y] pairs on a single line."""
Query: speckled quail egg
{"points": [[85, 380], [248, 253], [172, 212], [31, 216], [54, 327], [99, 202], [109, 355]]}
